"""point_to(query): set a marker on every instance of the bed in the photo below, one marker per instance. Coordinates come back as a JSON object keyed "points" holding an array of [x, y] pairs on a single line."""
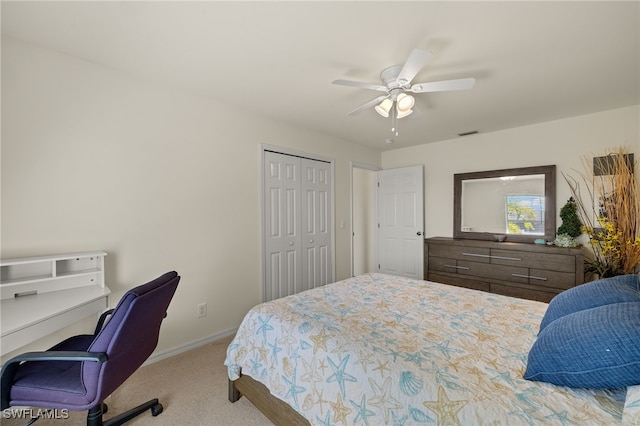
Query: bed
{"points": [[378, 349]]}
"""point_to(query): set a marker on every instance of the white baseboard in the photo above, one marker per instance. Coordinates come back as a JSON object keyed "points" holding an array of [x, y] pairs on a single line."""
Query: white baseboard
{"points": [[158, 356]]}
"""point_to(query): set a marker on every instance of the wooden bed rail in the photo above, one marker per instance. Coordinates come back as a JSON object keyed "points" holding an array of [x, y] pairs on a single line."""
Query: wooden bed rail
{"points": [[276, 410]]}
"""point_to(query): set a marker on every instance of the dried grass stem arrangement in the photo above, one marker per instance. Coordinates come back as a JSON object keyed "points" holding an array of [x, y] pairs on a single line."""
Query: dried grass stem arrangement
{"points": [[610, 212]]}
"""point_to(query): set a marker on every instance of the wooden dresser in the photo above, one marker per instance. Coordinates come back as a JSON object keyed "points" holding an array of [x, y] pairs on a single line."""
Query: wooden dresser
{"points": [[529, 271]]}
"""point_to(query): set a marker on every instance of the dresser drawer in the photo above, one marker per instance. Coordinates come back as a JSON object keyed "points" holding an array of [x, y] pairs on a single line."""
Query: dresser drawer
{"points": [[547, 261], [443, 264], [523, 292], [479, 269], [553, 279], [459, 281], [495, 272], [477, 254]]}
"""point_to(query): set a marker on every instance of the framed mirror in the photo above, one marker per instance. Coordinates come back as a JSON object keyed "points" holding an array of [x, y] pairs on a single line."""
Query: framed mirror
{"points": [[518, 205]]}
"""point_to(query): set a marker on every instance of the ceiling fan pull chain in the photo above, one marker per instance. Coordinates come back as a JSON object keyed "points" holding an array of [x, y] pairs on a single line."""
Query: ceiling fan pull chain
{"points": [[394, 121]]}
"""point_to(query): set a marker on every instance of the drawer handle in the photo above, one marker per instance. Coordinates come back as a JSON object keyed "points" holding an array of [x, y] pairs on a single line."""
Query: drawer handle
{"points": [[491, 256], [475, 255], [456, 267], [505, 258], [530, 276], [533, 277]]}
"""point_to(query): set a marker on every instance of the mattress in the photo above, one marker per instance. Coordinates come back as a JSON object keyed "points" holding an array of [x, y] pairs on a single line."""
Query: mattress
{"points": [[379, 349]]}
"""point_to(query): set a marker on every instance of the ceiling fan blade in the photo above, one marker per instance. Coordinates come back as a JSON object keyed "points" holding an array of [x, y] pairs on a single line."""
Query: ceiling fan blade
{"points": [[360, 84], [369, 104], [443, 86], [414, 64]]}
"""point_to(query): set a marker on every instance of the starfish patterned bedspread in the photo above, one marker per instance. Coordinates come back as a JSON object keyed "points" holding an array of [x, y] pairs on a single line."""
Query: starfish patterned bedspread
{"points": [[383, 350]]}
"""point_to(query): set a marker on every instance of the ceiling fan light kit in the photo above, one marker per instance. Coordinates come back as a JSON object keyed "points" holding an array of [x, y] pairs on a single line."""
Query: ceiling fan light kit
{"points": [[405, 102], [384, 107], [397, 81]]}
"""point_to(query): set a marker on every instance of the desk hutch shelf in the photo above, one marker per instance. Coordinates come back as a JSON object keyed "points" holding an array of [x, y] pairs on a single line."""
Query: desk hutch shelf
{"points": [[43, 294]]}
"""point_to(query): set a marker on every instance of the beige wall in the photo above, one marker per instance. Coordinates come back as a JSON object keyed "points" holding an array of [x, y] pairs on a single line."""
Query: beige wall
{"points": [[159, 178], [162, 179], [563, 142]]}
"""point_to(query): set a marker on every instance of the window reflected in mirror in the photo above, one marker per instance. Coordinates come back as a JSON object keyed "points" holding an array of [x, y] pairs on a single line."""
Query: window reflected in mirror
{"points": [[525, 214]]}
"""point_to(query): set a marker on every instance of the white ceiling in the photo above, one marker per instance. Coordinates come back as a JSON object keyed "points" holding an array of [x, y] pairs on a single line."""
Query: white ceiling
{"points": [[533, 61]]}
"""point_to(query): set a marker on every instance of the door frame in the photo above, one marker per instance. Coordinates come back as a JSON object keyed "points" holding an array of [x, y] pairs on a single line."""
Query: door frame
{"points": [[365, 166], [262, 227]]}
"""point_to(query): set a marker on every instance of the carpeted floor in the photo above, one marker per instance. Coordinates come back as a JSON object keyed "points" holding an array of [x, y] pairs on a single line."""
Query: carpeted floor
{"points": [[192, 387]]}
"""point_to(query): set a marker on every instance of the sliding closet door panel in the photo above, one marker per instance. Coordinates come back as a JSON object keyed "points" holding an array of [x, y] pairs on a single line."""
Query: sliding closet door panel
{"points": [[317, 227], [282, 236]]}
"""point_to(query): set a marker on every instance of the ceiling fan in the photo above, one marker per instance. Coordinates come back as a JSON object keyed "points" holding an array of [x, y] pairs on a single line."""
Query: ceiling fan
{"points": [[397, 86]]}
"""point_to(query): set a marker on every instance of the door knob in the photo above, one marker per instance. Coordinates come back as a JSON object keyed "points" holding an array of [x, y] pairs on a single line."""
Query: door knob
{"points": [[311, 241], [419, 233], [290, 243]]}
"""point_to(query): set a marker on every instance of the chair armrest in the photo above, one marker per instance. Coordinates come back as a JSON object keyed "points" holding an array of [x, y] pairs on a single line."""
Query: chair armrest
{"points": [[101, 320], [11, 366], [59, 356]]}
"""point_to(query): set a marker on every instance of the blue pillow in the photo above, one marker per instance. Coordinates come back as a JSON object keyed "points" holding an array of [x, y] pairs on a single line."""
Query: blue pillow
{"points": [[595, 348], [618, 289]]}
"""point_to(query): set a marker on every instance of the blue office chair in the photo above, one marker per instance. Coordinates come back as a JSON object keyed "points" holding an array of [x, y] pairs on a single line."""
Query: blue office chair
{"points": [[80, 372]]}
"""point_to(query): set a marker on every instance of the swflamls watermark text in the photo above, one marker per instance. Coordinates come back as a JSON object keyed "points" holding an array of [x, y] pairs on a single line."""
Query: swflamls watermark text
{"points": [[34, 413]]}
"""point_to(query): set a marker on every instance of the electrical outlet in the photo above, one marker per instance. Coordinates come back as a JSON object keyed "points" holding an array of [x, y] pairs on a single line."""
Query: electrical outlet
{"points": [[202, 310]]}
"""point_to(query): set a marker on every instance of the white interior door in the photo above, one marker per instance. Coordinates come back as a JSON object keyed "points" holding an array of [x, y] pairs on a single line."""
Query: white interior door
{"points": [[401, 221]]}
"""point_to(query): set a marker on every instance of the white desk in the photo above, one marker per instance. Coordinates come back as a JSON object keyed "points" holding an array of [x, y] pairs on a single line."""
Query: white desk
{"points": [[41, 295]]}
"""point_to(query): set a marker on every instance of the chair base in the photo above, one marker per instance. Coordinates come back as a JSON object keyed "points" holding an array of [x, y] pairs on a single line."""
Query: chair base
{"points": [[94, 416]]}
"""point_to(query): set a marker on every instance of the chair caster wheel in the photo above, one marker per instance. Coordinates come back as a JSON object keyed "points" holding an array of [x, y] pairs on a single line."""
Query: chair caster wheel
{"points": [[104, 408], [156, 409]]}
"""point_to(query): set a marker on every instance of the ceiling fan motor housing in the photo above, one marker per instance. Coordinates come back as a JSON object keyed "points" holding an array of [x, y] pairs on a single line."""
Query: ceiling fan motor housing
{"points": [[389, 77]]}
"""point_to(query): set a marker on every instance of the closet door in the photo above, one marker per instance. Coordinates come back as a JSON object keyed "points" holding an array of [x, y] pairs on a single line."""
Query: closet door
{"points": [[283, 263], [297, 224], [316, 223]]}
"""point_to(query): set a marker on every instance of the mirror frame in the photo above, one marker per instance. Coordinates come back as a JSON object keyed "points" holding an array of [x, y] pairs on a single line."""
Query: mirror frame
{"points": [[549, 173]]}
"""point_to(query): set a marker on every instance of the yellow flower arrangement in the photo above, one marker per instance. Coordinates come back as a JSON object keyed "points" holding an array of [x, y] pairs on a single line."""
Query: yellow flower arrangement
{"points": [[613, 255], [615, 242]]}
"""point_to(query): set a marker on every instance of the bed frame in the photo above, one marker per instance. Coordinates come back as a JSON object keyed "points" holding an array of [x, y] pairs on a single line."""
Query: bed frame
{"points": [[276, 410]]}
